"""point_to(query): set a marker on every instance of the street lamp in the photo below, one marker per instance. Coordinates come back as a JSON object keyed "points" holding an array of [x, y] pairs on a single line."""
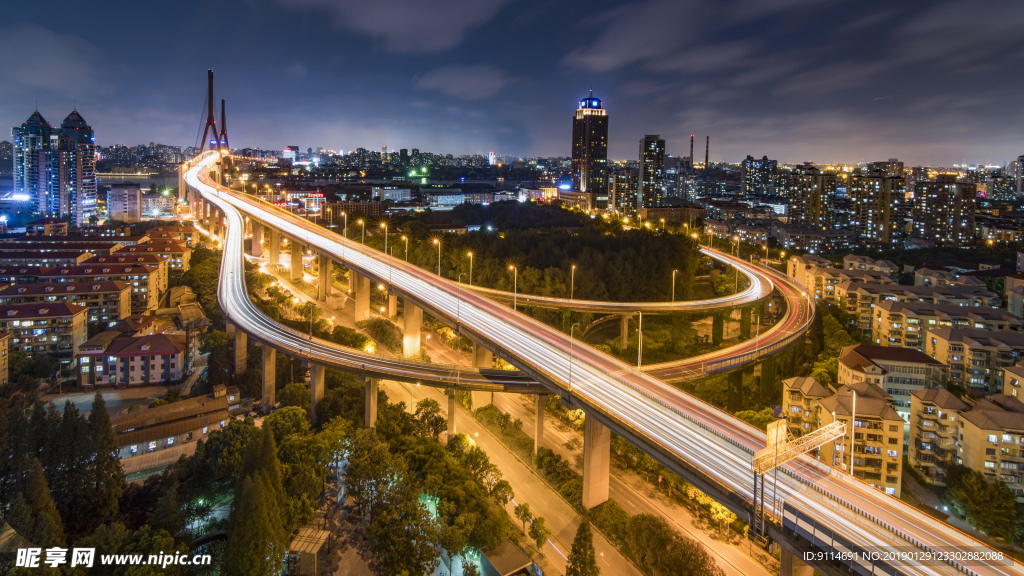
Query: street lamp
{"points": [[515, 286], [363, 225], [470, 254], [757, 334], [406, 238], [345, 214], [674, 285], [438, 242], [572, 282], [384, 225], [571, 328], [640, 339]]}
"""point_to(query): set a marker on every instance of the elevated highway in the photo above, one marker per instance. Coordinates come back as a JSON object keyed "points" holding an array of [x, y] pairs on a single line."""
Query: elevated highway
{"points": [[703, 444]]}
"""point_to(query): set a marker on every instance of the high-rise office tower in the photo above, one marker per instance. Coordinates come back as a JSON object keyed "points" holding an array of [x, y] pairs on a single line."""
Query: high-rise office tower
{"points": [[72, 185], [651, 185], [944, 211], [891, 168], [877, 204], [759, 175], [590, 151], [32, 160], [811, 193]]}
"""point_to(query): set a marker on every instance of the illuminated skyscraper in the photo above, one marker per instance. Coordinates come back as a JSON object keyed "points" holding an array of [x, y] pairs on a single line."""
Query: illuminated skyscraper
{"points": [[72, 184], [590, 151], [32, 160], [651, 184], [944, 211], [811, 194], [759, 175], [877, 203]]}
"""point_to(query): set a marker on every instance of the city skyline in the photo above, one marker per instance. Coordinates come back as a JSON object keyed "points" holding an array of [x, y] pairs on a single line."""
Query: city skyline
{"points": [[798, 82]]}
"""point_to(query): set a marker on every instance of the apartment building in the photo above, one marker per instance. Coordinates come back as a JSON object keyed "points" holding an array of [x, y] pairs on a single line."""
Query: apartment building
{"points": [[182, 234], [55, 330], [929, 277], [876, 441], [821, 278], [992, 440], [934, 432], [858, 298], [887, 267], [31, 258], [107, 300], [111, 359], [177, 255], [144, 280], [905, 323], [159, 262], [897, 371], [807, 239], [975, 357], [1012, 378], [19, 274], [800, 397]]}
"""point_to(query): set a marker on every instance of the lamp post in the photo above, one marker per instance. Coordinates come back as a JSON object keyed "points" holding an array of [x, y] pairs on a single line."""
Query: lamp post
{"points": [[345, 214], [470, 254], [674, 285], [363, 225], [639, 339], [438, 242], [406, 239], [572, 282], [571, 328], [757, 333], [515, 286], [384, 225], [736, 282]]}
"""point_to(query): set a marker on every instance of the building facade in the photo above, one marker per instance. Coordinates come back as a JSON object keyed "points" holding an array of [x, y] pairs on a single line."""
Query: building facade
{"points": [[975, 357], [108, 301], [904, 324], [651, 182], [944, 211], [934, 433], [110, 360], [897, 371], [590, 151], [992, 440], [54, 330]]}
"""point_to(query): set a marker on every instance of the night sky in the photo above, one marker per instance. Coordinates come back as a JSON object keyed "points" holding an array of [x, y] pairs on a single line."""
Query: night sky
{"points": [[928, 82]]}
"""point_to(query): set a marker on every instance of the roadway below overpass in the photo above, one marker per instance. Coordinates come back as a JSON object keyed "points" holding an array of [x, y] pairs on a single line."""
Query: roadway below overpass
{"points": [[707, 446]]}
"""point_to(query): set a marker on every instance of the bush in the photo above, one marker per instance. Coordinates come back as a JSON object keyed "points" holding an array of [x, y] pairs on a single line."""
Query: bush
{"points": [[611, 519], [572, 491]]}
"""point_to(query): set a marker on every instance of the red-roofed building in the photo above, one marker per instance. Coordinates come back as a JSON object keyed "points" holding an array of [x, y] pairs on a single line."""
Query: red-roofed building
{"points": [[51, 329], [29, 258], [183, 234], [108, 300], [144, 280], [898, 371], [177, 255], [110, 359], [162, 264], [20, 274]]}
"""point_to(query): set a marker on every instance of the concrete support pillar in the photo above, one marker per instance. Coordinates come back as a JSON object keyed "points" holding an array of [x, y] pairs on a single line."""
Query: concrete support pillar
{"points": [[273, 246], [316, 389], [413, 322], [482, 357], [361, 286], [597, 443], [269, 377], [323, 290], [371, 402], [481, 399], [392, 305], [257, 239], [296, 261], [624, 331], [241, 351], [538, 430], [792, 565], [451, 413]]}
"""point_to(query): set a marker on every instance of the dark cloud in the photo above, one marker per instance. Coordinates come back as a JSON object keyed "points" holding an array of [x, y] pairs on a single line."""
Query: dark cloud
{"points": [[928, 81], [464, 82], [407, 25]]}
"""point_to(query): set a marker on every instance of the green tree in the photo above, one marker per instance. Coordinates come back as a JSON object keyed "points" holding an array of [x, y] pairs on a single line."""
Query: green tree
{"points": [[257, 541], [286, 421], [105, 481], [582, 560], [34, 514], [221, 360], [402, 533], [539, 532], [295, 394], [523, 514], [432, 423], [760, 419]]}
